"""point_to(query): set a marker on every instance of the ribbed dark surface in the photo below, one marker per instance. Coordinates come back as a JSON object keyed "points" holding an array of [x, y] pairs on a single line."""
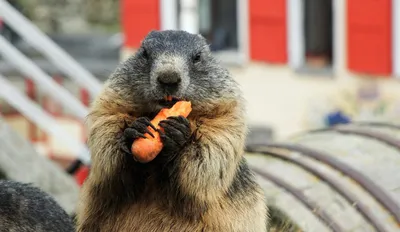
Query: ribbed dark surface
{"points": [[351, 172]]}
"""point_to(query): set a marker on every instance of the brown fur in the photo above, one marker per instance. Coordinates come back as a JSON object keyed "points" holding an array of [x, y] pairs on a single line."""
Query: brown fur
{"points": [[211, 190]]}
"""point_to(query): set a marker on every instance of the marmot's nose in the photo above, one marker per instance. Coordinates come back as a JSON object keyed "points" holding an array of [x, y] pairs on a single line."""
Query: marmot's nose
{"points": [[169, 79]]}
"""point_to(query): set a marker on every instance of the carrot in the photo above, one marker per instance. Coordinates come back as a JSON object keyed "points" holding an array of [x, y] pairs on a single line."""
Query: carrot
{"points": [[146, 149]]}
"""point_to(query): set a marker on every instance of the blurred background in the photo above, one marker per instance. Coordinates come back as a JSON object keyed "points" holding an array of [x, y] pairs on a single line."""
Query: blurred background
{"points": [[302, 64]]}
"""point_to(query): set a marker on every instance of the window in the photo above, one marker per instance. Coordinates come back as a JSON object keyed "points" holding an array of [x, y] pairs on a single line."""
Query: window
{"points": [[318, 34], [218, 23]]}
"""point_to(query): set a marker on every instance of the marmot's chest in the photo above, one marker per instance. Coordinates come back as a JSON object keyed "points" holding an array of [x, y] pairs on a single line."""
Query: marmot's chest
{"points": [[140, 217], [152, 218]]}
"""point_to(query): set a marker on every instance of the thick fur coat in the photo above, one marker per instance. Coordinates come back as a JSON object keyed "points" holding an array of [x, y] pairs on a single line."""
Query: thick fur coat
{"points": [[26, 208], [200, 180]]}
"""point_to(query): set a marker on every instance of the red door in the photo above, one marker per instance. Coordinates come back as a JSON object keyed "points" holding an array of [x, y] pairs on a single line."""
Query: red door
{"points": [[139, 17], [369, 36], [268, 30]]}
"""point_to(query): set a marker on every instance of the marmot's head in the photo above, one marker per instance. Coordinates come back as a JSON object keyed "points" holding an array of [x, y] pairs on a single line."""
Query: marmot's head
{"points": [[175, 65]]}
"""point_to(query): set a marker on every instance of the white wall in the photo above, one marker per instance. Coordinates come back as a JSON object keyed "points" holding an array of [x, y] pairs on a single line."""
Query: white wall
{"points": [[278, 97]]}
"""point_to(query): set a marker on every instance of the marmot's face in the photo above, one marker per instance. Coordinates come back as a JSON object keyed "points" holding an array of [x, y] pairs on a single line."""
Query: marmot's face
{"points": [[175, 65]]}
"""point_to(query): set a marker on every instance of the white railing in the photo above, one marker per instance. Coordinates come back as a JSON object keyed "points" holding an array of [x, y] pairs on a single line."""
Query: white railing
{"points": [[31, 70], [35, 113], [30, 33]]}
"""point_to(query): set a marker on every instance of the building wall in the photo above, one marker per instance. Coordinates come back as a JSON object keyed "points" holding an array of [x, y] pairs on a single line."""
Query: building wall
{"points": [[272, 31], [277, 94], [369, 47], [291, 101]]}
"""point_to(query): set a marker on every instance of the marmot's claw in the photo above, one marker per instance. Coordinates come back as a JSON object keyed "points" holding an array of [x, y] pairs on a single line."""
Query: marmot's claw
{"points": [[131, 133], [176, 131], [146, 121], [180, 119], [124, 144], [149, 132], [134, 131], [138, 128]]}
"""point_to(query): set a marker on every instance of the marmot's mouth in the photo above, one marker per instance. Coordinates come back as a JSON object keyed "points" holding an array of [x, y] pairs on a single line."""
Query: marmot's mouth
{"points": [[169, 100]]}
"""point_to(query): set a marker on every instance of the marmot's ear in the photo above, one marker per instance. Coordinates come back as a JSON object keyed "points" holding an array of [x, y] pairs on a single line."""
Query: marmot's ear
{"points": [[149, 35], [200, 36], [152, 32]]}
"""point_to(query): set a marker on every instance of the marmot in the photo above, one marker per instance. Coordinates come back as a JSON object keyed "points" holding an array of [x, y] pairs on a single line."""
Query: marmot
{"points": [[24, 207], [200, 181]]}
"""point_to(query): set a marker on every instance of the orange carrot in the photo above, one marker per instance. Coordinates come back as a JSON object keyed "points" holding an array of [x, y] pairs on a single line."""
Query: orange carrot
{"points": [[146, 149]]}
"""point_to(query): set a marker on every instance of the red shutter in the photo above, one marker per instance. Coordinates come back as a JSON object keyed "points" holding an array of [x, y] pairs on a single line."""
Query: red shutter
{"points": [[139, 17], [369, 36], [268, 30]]}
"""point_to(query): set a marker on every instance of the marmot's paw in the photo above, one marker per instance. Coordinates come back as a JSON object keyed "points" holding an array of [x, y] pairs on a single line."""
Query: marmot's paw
{"points": [[176, 132], [137, 130]]}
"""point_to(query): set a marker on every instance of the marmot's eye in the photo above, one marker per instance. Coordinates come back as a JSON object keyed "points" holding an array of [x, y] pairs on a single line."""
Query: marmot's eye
{"points": [[197, 58]]}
